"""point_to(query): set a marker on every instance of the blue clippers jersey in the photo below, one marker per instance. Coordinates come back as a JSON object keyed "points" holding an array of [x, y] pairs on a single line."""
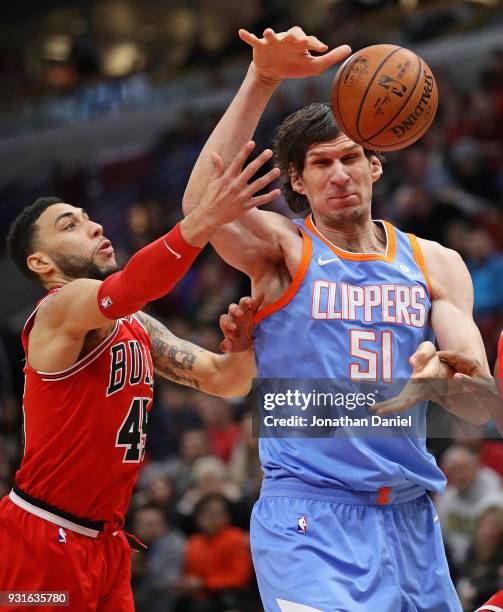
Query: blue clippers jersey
{"points": [[348, 316]]}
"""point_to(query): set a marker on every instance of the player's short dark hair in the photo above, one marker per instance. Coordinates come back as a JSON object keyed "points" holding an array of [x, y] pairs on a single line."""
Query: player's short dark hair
{"points": [[23, 232], [311, 124]]}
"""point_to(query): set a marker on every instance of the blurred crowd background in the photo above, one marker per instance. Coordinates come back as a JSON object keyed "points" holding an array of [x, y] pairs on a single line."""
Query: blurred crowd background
{"points": [[107, 104]]}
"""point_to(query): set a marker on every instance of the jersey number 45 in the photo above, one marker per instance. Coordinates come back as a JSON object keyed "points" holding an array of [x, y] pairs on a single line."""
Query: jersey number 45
{"points": [[132, 433]]}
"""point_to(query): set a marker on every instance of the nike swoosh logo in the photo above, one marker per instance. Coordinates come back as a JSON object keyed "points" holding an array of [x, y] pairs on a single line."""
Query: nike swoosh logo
{"points": [[177, 255], [322, 262]]}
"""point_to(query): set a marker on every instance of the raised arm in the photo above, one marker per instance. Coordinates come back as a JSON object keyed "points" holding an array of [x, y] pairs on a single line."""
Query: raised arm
{"points": [[190, 365], [85, 304], [275, 57]]}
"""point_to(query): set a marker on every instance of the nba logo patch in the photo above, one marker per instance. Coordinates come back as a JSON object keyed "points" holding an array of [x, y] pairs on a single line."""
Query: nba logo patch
{"points": [[106, 302], [62, 536], [302, 525]]}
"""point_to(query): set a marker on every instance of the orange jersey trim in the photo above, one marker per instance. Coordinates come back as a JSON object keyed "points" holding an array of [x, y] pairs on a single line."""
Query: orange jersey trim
{"points": [[294, 286], [388, 257], [417, 253], [383, 496]]}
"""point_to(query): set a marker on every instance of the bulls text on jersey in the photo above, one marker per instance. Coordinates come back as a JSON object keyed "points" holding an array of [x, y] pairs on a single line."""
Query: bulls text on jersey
{"points": [[128, 363]]}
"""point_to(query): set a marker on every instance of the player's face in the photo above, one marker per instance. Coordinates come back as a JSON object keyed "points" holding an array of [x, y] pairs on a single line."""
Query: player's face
{"points": [[75, 244], [337, 179]]}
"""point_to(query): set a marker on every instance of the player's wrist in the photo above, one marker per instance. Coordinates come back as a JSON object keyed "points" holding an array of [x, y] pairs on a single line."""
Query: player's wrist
{"points": [[265, 80], [197, 228], [177, 240], [445, 370]]}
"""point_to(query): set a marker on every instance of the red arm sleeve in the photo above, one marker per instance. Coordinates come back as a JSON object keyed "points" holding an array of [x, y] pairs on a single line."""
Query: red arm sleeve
{"points": [[149, 274]]}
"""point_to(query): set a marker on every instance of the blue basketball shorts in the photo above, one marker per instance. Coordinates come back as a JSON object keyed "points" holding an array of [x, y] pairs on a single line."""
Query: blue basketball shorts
{"points": [[323, 555]]}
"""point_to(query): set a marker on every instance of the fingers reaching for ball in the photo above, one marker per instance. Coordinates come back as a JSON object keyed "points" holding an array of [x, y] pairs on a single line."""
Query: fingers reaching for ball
{"points": [[231, 192], [283, 55], [237, 325]]}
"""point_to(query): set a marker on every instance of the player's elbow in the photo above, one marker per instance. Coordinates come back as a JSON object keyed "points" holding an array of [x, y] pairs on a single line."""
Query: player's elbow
{"points": [[226, 381], [243, 389], [233, 389], [474, 417], [480, 420]]}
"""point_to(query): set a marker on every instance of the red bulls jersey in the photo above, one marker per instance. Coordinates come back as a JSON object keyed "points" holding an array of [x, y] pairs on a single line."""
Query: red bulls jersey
{"points": [[495, 604], [85, 426]]}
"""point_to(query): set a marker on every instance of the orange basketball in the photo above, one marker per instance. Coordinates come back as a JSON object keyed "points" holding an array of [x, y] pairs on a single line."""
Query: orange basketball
{"points": [[384, 97]]}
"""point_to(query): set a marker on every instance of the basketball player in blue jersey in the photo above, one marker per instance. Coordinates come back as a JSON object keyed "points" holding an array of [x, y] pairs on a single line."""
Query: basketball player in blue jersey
{"points": [[341, 525]]}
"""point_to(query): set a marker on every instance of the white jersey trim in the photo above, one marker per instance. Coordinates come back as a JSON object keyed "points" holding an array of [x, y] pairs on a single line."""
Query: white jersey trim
{"points": [[489, 608], [137, 318], [292, 606], [44, 299], [86, 360], [90, 357], [52, 518]]}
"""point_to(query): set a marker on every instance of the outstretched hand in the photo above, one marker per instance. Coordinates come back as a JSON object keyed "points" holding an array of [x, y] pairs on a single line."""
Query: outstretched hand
{"points": [[470, 376], [229, 194], [287, 54], [428, 382], [237, 325], [472, 380]]}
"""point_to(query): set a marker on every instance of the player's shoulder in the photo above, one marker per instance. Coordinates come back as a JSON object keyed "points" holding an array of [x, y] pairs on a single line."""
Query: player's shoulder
{"points": [[442, 263], [283, 232], [59, 301], [435, 251], [279, 222], [65, 293], [447, 270]]}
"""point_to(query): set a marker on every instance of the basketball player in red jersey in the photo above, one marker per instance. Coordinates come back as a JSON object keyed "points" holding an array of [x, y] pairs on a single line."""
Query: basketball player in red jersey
{"points": [[90, 359], [495, 604]]}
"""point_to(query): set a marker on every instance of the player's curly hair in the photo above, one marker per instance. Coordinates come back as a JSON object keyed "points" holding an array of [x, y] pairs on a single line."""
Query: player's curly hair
{"points": [[21, 239], [311, 124]]}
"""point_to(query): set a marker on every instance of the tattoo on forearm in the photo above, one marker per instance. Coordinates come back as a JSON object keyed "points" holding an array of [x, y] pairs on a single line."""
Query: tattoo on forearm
{"points": [[173, 358], [182, 358]]}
